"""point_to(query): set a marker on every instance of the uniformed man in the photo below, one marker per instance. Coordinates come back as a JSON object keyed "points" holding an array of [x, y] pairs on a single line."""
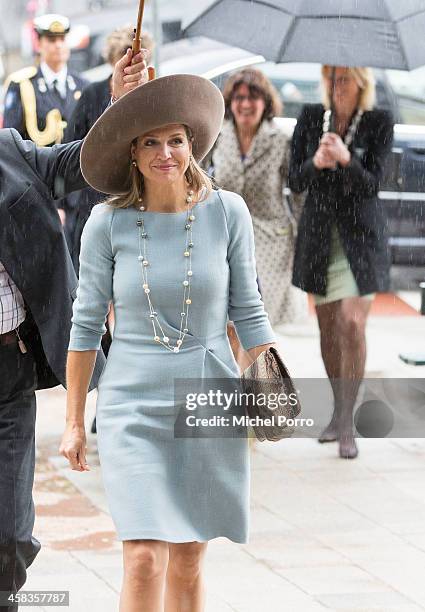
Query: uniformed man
{"points": [[39, 101]]}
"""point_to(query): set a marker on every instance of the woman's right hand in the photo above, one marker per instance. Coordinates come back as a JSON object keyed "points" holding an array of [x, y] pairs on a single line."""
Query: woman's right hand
{"points": [[73, 447], [323, 160]]}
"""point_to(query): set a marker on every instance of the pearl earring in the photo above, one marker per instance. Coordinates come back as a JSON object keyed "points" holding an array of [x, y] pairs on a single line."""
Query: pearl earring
{"points": [[134, 163]]}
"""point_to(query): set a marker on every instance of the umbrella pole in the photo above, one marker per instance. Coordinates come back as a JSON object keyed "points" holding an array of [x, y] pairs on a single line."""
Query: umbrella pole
{"points": [[332, 126], [138, 37]]}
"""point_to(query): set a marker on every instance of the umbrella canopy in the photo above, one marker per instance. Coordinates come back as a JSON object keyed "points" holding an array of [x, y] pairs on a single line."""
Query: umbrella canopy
{"points": [[378, 33]]}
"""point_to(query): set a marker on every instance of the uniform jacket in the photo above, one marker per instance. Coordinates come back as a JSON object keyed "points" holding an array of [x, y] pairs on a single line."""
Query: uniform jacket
{"points": [[346, 197], [33, 248], [46, 100]]}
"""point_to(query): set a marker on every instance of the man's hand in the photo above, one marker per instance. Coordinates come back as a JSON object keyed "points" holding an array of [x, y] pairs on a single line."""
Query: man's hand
{"points": [[129, 73]]}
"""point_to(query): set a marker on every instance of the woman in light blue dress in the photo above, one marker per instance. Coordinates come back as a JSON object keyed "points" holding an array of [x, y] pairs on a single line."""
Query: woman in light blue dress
{"points": [[176, 259]]}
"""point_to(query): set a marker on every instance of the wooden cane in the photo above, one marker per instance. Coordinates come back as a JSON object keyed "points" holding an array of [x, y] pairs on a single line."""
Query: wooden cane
{"points": [[137, 40]]}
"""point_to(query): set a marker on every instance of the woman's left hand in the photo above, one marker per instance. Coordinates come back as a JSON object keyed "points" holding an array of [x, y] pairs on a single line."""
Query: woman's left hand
{"points": [[129, 73], [336, 148]]}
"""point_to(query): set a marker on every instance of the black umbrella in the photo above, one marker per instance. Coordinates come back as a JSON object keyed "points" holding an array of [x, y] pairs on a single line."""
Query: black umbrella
{"points": [[378, 33]]}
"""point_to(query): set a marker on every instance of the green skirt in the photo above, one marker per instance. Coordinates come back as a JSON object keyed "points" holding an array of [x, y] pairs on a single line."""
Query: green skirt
{"points": [[340, 279]]}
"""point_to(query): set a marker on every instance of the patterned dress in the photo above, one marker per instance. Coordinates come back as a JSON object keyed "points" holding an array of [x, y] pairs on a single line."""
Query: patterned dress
{"points": [[260, 179]]}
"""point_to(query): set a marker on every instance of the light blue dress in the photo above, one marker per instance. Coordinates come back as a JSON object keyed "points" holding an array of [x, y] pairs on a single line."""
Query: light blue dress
{"points": [[159, 486]]}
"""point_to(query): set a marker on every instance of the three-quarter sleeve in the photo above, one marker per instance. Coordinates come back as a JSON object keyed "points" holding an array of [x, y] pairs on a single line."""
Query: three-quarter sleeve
{"points": [[246, 308], [94, 292]]}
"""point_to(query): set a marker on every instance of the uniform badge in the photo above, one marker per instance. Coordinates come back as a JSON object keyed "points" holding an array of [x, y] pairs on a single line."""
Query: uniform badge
{"points": [[41, 84], [77, 95]]}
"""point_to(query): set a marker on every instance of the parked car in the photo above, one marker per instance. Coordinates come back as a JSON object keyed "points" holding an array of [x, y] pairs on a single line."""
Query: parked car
{"points": [[403, 187]]}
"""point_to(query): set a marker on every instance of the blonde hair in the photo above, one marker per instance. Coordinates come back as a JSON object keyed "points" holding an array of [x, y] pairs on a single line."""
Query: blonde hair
{"points": [[121, 39], [365, 80], [196, 178]]}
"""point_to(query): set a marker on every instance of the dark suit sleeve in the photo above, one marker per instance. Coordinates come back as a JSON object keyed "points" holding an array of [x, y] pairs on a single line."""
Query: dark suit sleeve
{"points": [[301, 168], [13, 113], [57, 166], [362, 176]]}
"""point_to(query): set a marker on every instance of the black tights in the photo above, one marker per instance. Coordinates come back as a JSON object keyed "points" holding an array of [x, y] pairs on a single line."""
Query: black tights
{"points": [[343, 345]]}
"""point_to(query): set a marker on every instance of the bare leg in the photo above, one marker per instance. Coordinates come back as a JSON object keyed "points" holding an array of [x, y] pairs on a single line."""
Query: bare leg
{"points": [[185, 589], [343, 342], [145, 567]]}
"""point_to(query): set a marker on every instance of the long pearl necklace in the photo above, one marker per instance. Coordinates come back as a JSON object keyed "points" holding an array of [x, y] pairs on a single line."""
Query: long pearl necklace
{"points": [[349, 136], [159, 334]]}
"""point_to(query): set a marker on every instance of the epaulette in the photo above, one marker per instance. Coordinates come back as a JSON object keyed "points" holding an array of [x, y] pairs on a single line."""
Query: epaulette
{"points": [[20, 75]]}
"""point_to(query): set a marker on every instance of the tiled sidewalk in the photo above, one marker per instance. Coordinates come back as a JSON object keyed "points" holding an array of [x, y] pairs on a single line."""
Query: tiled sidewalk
{"points": [[326, 534]]}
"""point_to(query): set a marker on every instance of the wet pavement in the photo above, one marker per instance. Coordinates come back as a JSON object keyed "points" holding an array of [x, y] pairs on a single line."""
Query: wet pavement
{"points": [[326, 534]]}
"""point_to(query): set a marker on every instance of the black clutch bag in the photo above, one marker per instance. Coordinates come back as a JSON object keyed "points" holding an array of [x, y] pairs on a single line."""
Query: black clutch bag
{"points": [[271, 399]]}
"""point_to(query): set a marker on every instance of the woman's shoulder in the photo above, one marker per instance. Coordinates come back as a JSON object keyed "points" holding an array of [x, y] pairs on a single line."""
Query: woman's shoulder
{"points": [[230, 200], [380, 116], [234, 206], [101, 217], [279, 130]]}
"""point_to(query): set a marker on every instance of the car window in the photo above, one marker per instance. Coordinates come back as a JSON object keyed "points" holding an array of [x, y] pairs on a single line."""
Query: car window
{"points": [[409, 88]]}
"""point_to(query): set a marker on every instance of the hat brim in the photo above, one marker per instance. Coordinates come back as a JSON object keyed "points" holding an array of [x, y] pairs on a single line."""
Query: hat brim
{"points": [[176, 99]]}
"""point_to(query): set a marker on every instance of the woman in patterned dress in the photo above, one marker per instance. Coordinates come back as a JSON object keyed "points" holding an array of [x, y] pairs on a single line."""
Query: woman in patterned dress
{"points": [[251, 157]]}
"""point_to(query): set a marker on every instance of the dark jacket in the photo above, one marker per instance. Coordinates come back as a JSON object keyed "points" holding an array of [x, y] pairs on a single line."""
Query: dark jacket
{"points": [[33, 248], [94, 100], [346, 197]]}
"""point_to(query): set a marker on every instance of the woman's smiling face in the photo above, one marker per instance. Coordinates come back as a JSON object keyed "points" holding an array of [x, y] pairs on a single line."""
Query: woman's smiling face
{"points": [[247, 107], [163, 155]]}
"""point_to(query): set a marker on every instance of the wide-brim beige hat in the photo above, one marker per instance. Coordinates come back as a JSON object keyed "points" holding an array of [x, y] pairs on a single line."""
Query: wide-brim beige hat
{"points": [[184, 99]]}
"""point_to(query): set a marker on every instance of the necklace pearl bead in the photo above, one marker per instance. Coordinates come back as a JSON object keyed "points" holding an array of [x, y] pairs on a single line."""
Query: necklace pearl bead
{"points": [[165, 340]]}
